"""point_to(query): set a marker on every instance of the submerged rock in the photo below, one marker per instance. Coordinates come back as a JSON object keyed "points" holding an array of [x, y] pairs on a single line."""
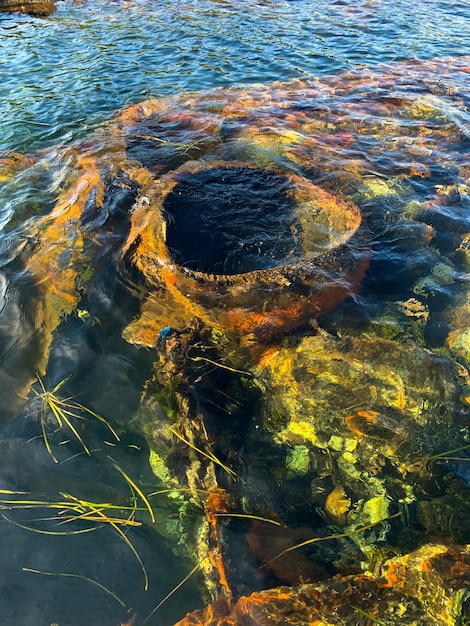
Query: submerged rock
{"points": [[429, 586], [33, 7], [372, 412]]}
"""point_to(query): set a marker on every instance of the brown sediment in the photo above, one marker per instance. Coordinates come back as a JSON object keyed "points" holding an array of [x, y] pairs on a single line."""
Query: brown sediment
{"points": [[267, 542]]}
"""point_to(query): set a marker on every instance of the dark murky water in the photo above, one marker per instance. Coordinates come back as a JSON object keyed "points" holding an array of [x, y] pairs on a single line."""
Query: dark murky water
{"points": [[391, 138], [240, 216]]}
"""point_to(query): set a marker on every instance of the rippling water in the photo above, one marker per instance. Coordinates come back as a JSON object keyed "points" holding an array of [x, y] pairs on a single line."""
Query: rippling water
{"points": [[66, 73], [392, 137]]}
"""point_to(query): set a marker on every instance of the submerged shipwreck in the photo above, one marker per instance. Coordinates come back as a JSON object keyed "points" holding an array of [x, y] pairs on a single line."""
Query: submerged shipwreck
{"points": [[295, 258]]}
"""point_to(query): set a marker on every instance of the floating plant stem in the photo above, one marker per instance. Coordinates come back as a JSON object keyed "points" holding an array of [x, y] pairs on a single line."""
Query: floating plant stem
{"points": [[64, 411], [209, 455], [248, 516], [184, 147], [73, 509], [100, 418], [453, 458], [207, 492], [177, 489], [74, 456], [225, 367], [40, 531], [135, 488], [328, 537], [368, 615], [178, 586], [442, 455], [34, 123], [67, 575], [115, 523]]}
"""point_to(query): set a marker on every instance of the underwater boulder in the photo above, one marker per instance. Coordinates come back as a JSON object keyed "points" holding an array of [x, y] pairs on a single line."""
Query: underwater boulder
{"points": [[32, 7], [339, 154], [429, 586], [297, 188], [373, 415]]}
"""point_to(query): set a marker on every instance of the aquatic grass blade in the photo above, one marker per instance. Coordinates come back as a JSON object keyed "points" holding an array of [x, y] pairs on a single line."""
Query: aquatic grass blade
{"points": [[248, 516], [68, 575], [370, 617], [136, 488], [46, 441], [174, 590], [216, 364], [50, 532], [208, 455], [120, 532], [446, 453], [99, 418], [328, 537], [64, 412]]}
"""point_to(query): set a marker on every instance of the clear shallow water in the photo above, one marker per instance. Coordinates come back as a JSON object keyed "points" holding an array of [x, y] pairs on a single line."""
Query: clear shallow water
{"points": [[64, 75]]}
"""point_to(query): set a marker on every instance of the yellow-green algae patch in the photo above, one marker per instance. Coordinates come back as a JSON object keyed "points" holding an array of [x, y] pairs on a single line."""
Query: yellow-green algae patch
{"points": [[371, 411], [318, 384]]}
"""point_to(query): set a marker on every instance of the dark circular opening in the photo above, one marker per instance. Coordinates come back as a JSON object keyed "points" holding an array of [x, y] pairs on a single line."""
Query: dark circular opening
{"points": [[232, 220]]}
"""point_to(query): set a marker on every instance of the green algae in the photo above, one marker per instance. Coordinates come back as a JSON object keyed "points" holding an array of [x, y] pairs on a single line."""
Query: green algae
{"points": [[297, 461]]}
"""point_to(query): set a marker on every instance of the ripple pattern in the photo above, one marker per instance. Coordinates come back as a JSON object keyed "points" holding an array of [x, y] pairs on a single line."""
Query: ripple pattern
{"points": [[69, 72]]}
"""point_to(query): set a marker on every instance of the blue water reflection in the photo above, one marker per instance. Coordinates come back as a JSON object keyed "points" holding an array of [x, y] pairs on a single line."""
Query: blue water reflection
{"points": [[72, 70]]}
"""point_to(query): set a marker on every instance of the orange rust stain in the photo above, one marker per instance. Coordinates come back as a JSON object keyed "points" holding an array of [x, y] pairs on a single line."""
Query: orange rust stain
{"points": [[419, 169], [217, 502], [215, 614], [394, 577], [13, 163], [246, 322], [188, 305], [168, 277], [247, 604], [138, 112], [429, 233], [357, 420], [58, 234], [266, 354], [426, 565], [61, 234]]}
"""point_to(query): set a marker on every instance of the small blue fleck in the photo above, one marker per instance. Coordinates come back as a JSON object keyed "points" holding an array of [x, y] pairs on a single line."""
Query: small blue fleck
{"points": [[165, 332]]}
